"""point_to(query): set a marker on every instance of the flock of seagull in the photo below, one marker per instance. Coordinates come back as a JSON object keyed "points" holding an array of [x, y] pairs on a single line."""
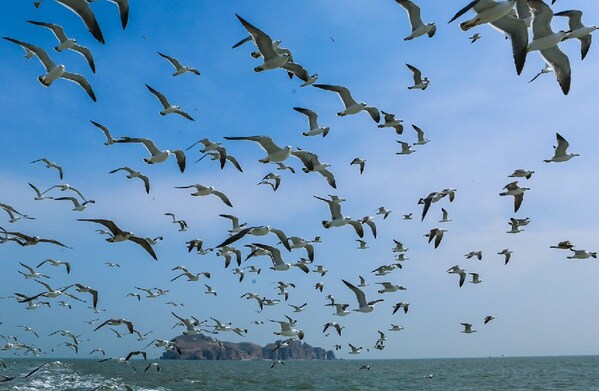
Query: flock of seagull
{"points": [[512, 17]]}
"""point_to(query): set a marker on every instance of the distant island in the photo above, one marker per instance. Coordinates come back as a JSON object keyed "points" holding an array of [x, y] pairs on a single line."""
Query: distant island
{"points": [[201, 347]]}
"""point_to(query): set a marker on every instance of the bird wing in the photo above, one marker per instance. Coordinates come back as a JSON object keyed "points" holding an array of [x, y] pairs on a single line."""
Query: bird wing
{"points": [[184, 114], [56, 29], [517, 30], [82, 9], [160, 97], [358, 292], [312, 116], [419, 132], [39, 52], [82, 81], [104, 129], [245, 40], [562, 145], [260, 38], [329, 177], [413, 13], [145, 244], [542, 15], [343, 92], [416, 72], [265, 142], [561, 65], [297, 70], [107, 223], [275, 253], [223, 197], [149, 144], [87, 54], [123, 11], [464, 10]]}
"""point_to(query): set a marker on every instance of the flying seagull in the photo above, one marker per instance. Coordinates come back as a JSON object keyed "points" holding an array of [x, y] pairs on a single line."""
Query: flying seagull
{"points": [[118, 235], [134, 174], [67, 43], [514, 190], [578, 30], [391, 122], [54, 71], [560, 154], [49, 164], [351, 106], [204, 191], [274, 152], [363, 306], [158, 156], [418, 27], [179, 69], [168, 108], [82, 9], [315, 129], [272, 59], [419, 82]]}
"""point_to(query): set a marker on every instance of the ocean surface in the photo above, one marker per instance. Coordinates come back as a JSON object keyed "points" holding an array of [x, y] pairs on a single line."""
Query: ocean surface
{"points": [[505, 373]]}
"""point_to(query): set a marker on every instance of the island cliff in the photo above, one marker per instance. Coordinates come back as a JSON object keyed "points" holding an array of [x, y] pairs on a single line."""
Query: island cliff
{"points": [[201, 347]]}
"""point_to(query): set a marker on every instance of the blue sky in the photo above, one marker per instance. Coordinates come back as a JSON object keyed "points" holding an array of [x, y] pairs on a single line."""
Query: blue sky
{"points": [[483, 121]]}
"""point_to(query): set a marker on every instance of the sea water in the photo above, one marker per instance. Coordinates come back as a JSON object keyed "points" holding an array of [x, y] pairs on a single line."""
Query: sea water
{"points": [[502, 373]]}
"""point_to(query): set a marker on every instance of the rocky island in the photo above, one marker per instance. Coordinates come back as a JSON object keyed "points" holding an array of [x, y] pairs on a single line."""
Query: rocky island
{"points": [[201, 347]]}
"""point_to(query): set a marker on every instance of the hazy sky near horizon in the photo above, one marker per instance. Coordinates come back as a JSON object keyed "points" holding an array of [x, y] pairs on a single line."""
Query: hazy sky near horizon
{"points": [[483, 120]]}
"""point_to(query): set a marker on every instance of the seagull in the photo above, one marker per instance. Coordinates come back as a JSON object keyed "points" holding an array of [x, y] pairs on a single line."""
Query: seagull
{"points": [[210, 146], [400, 305], [49, 164], [444, 218], [363, 282], [383, 211], [582, 254], [437, 234], [405, 148], [578, 30], [52, 364], [477, 254], [355, 350], [67, 43], [78, 207], [475, 279], [509, 24], [274, 152], [396, 327], [421, 139], [407, 217], [123, 10], [390, 288], [277, 260], [86, 289], [287, 331], [546, 41], [548, 69], [258, 231], [297, 242], [419, 82], [391, 122], [363, 306], [182, 223], [490, 12], [457, 270], [272, 59], [26, 240], [32, 273], [204, 191], [560, 154], [474, 38], [271, 176], [82, 9], [335, 325], [298, 308], [134, 174], [216, 155], [361, 163], [313, 164], [468, 328], [488, 318], [282, 166], [209, 290], [362, 244], [514, 190], [104, 129], [65, 187], [315, 129], [235, 222], [168, 108], [521, 173], [340, 309], [54, 71], [119, 235], [418, 27], [351, 106], [52, 262], [50, 293], [14, 214], [564, 245], [515, 227], [337, 219], [507, 254], [158, 156], [180, 69], [399, 247]]}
